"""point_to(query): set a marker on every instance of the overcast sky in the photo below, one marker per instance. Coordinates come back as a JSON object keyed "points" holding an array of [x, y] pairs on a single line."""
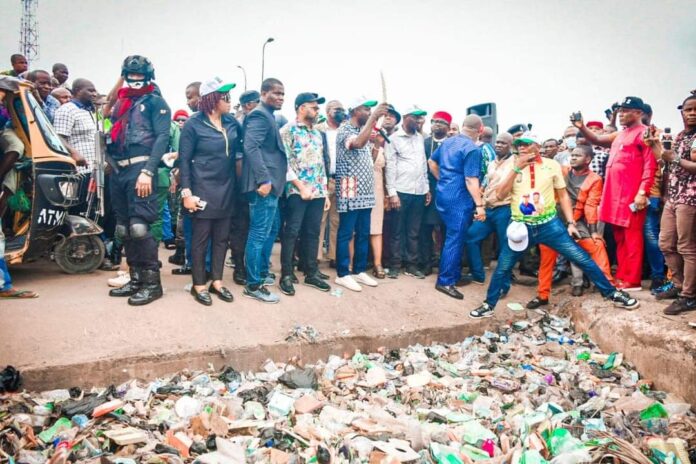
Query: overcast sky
{"points": [[538, 60]]}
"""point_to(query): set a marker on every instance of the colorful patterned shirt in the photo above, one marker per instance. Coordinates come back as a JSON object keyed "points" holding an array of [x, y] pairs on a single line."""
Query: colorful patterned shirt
{"points": [[682, 184], [534, 192], [305, 150], [355, 178]]}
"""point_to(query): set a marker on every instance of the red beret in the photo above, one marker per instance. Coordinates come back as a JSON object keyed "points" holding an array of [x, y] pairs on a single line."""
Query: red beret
{"points": [[445, 116], [595, 124], [180, 114]]}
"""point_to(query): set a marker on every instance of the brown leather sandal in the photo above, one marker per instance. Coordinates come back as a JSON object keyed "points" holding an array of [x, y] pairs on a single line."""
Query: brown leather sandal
{"points": [[378, 272]]}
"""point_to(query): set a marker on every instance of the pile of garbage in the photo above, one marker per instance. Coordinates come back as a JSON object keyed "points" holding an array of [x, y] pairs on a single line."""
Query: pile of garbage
{"points": [[531, 392]]}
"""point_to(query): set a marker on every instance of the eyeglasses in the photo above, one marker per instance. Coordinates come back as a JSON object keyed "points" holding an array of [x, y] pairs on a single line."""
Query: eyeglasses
{"points": [[226, 97]]}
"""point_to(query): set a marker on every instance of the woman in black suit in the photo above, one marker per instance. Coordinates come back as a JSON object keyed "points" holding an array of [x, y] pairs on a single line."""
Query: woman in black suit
{"points": [[209, 143]]}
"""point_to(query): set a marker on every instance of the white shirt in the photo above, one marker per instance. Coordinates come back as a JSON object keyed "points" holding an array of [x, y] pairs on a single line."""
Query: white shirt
{"points": [[406, 170], [331, 141]]}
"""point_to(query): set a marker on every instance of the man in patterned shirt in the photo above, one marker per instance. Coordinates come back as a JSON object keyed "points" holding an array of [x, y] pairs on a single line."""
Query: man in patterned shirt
{"points": [[678, 226], [307, 193], [76, 126], [355, 192]]}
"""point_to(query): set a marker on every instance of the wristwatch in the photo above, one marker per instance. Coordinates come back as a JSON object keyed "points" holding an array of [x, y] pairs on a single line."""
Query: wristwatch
{"points": [[147, 172], [517, 170], [572, 223], [185, 193]]}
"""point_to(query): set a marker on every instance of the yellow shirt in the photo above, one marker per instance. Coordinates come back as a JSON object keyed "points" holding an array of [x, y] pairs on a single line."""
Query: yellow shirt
{"points": [[534, 192]]}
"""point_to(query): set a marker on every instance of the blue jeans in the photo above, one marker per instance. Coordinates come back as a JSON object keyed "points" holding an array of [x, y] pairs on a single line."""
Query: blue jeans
{"points": [[352, 222], [264, 222], [651, 233], [167, 223], [497, 220], [457, 220], [552, 234], [188, 236], [5, 279]]}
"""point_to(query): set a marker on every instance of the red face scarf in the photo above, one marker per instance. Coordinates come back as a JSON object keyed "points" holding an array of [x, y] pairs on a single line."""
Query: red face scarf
{"points": [[126, 97]]}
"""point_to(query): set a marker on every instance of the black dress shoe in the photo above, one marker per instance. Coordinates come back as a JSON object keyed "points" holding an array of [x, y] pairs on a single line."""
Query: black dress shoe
{"points": [[178, 257], [450, 290], [536, 302], [286, 285], [224, 294], [577, 291], [203, 297], [185, 270]]}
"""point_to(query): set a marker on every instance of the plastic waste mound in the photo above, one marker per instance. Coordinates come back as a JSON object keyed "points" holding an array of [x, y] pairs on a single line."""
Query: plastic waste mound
{"points": [[530, 393]]}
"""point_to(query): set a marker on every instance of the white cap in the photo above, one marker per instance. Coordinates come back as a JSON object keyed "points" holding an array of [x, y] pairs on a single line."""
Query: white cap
{"points": [[414, 110], [215, 84], [527, 137], [361, 101], [518, 236]]}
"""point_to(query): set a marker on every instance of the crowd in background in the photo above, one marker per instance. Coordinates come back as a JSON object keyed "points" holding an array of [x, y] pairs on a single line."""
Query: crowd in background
{"points": [[363, 188]]}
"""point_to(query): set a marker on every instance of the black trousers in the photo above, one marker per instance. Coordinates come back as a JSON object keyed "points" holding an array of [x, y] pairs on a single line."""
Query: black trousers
{"points": [[301, 217], [130, 209], [203, 230], [239, 230], [404, 238]]}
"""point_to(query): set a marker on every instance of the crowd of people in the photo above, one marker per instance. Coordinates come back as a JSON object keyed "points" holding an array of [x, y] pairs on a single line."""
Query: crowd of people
{"points": [[363, 187]]}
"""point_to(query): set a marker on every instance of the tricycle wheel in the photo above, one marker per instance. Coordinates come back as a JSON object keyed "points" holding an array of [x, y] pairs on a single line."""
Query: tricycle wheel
{"points": [[79, 255]]}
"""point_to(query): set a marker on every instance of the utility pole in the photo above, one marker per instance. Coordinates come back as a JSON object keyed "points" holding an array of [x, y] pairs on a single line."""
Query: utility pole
{"points": [[263, 56], [29, 32]]}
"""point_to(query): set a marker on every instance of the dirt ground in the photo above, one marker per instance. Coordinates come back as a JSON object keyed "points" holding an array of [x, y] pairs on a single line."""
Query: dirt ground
{"points": [[76, 334]]}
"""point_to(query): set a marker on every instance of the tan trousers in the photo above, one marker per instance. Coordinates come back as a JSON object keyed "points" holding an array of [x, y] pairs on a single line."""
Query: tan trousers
{"points": [[330, 216]]}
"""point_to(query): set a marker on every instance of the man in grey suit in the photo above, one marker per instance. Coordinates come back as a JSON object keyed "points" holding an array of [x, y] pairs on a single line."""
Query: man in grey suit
{"points": [[264, 170]]}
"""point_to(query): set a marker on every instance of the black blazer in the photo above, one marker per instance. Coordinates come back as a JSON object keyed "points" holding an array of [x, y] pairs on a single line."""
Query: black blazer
{"points": [[264, 155], [207, 163]]}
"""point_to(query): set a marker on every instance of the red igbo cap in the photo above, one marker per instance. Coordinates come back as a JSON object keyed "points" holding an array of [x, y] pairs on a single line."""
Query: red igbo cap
{"points": [[444, 115], [180, 113], [595, 124]]}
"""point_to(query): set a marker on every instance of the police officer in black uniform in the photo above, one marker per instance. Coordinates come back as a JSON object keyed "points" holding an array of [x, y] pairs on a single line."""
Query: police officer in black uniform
{"points": [[139, 137]]}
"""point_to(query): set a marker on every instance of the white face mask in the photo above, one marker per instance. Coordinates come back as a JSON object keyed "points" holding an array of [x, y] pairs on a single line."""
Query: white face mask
{"points": [[571, 142], [135, 84]]}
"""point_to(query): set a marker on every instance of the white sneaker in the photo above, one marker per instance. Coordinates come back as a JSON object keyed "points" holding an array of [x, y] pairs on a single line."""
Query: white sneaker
{"points": [[349, 283], [365, 279], [121, 279]]}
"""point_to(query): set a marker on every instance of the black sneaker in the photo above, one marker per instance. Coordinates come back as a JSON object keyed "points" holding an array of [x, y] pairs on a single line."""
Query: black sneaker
{"points": [[317, 282], [294, 278], [667, 292], [413, 271], [537, 302], [321, 275], [286, 285], [680, 305], [393, 273], [483, 311], [622, 299], [656, 283]]}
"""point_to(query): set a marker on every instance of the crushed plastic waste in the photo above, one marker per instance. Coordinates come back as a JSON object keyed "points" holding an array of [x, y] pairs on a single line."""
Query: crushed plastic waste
{"points": [[9, 379], [532, 392], [305, 333]]}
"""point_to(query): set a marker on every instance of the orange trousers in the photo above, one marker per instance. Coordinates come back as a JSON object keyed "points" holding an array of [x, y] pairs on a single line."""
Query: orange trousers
{"points": [[595, 248]]}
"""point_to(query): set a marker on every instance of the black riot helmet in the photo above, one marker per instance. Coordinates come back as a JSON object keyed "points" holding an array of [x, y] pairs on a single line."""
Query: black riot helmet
{"points": [[136, 64]]}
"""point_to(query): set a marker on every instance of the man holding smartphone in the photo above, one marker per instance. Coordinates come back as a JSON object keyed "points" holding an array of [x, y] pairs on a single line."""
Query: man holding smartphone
{"points": [[533, 174], [630, 173]]}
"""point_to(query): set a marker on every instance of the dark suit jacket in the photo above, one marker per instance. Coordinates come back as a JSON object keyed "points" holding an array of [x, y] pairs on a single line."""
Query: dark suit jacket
{"points": [[207, 163], [264, 155]]}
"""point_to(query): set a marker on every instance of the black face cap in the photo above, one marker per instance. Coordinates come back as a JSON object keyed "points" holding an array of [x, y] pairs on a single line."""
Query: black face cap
{"points": [[249, 96], [396, 114], [633, 103], [307, 97], [518, 128]]}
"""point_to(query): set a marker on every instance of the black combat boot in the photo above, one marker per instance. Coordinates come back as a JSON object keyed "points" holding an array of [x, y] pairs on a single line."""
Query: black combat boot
{"points": [[150, 290], [132, 287]]}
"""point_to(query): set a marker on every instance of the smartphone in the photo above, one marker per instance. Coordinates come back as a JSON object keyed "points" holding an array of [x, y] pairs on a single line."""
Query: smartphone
{"points": [[577, 116], [608, 113], [667, 139], [202, 204], [632, 207]]}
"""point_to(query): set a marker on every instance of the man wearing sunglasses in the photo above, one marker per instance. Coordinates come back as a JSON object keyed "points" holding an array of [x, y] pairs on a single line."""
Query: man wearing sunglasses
{"points": [[540, 179]]}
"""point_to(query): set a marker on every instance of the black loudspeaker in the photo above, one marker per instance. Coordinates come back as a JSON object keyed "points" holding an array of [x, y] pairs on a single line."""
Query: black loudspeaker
{"points": [[488, 113]]}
